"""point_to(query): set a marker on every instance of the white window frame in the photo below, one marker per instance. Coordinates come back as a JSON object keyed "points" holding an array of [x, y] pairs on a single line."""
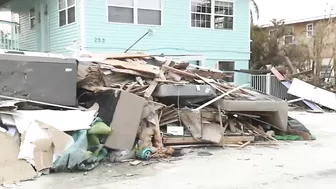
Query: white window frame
{"points": [[293, 39], [325, 72], [290, 35], [66, 8], [135, 8], [32, 17], [312, 30], [230, 72], [212, 14], [270, 32]]}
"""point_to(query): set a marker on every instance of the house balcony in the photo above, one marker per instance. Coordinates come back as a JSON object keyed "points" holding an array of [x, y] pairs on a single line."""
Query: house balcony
{"points": [[9, 35]]}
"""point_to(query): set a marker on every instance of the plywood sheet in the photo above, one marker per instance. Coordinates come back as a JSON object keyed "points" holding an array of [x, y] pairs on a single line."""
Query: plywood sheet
{"points": [[126, 121]]}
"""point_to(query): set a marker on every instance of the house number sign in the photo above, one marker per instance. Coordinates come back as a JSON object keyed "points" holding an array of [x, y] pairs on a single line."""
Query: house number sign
{"points": [[99, 40]]}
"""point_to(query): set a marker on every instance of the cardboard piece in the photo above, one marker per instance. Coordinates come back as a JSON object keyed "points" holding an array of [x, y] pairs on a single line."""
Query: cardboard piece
{"points": [[126, 121], [42, 144], [12, 169], [70, 120]]}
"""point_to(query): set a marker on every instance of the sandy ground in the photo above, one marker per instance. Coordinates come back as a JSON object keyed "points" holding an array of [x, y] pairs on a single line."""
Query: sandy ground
{"points": [[290, 165]]}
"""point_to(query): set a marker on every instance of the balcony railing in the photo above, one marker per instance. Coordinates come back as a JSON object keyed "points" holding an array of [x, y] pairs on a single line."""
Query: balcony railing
{"points": [[9, 35]]}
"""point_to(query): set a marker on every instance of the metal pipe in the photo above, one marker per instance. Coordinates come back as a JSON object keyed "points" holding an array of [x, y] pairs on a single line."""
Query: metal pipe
{"points": [[148, 32]]}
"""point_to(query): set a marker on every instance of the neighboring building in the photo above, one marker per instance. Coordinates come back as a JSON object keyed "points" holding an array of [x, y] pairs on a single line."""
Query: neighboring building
{"points": [[303, 32], [216, 30]]}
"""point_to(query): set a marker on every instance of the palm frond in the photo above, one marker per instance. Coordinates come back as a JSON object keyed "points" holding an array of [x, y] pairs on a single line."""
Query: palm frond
{"points": [[256, 8]]}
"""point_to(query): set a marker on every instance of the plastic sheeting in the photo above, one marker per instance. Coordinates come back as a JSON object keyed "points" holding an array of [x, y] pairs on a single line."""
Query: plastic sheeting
{"points": [[87, 151]]}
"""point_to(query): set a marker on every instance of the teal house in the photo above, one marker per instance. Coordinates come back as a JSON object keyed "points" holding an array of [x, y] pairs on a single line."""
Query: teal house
{"points": [[211, 33]]}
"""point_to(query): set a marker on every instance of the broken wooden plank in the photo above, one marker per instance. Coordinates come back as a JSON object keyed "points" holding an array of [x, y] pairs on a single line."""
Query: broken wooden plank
{"points": [[146, 68], [139, 89], [208, 81], [235, 139], [168, 121], [131, 72], [226, 125], [245, 144], [152, 86], [119, 55], [232, 126], [260, 132], [180, 72], [130, 87], [221, 96], [193, 121], [185, 140], [181, 66], [212, 132]]}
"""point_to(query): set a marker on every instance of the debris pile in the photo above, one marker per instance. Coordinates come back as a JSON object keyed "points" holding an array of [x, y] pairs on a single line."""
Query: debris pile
{"points": [[183, 104], [313, 97], [132, 105]]}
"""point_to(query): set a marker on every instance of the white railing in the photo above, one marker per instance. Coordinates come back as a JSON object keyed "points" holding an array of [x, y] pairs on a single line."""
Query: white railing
{"points": [[270, 85], [9, 35]]}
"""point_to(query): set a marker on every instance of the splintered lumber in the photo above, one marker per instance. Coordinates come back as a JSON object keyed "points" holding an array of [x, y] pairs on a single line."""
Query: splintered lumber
{"points": [[134, 66], [236, 139], [182, 141], [212, 132], [208, 81], [232, 125], [119, 55], [260, 132], [210, 74], [180, 72], [190, 140], [193, 122], [152, 86], [131, 72], [245, 144], [220, 116], [138, 89]]}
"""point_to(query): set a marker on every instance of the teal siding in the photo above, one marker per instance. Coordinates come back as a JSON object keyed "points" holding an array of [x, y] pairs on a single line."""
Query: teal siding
{"points": [[57, 37], [60, 37], [27, 36], [175, 36]]}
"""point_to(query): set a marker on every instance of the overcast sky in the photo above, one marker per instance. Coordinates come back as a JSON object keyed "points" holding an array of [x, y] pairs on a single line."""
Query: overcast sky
{"points": [[293, 9]]}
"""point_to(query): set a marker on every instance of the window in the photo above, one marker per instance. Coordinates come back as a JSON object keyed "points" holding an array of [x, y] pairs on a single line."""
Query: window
{"points": [[326, 71], [228, 68], [32, 18], [216, 14], [289, 39], [273, 33], [67, 12], [134, 11], [310, 30]]}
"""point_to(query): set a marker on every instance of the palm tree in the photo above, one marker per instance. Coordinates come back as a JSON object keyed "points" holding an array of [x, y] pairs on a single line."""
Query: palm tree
{"points": [[255, 10]]}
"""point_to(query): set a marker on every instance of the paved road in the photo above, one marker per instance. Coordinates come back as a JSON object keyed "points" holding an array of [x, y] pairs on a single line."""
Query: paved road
{"points": [[308, 165]]}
